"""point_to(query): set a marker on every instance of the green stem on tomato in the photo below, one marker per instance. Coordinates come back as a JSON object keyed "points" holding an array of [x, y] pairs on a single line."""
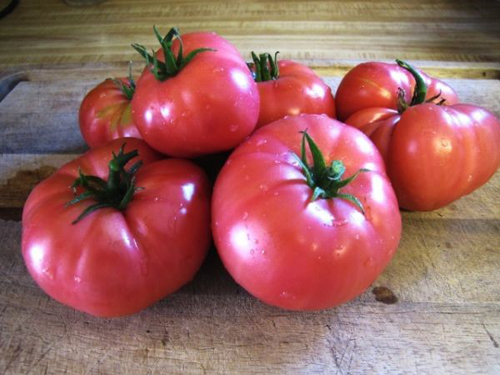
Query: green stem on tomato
{"points": [[116, 192], [127, 88], [420, 91], [265, 67], [325, 180], [172, 64]]}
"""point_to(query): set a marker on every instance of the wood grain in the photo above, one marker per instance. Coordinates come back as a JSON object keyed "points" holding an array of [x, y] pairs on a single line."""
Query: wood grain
{"points": [[440, 309], [440, 30], [213, 326], [446, 318]]}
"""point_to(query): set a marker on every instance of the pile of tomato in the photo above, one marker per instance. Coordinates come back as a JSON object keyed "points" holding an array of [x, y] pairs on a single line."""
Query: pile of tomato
{"points": [[304, 213]]}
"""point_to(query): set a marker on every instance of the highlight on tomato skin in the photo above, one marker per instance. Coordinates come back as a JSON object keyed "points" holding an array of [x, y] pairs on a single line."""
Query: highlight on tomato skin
{"points": [[297, 239], [435, 149], [110, 236], [288, 88]]}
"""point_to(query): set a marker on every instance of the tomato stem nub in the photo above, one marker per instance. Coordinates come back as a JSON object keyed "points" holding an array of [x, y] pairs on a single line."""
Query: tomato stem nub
{"points": [[172, 65], [127, 88], [116, 192], [324, 180], [420, 91], [264, 67]]}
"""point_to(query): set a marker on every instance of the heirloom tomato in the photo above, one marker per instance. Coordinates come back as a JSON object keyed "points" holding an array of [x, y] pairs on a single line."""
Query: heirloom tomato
{"points": [[302, 237], [288, 88], [434, 153], [380, 85], [105, 113], [111, 244], [196, 96]]}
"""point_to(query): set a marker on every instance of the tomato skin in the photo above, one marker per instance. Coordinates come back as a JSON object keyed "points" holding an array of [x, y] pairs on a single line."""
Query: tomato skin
{"points": [[434, 154], [290, 252], [297, 90], [376, 84], [438, 154], [105, 114], [115, 263], [211, 105]]}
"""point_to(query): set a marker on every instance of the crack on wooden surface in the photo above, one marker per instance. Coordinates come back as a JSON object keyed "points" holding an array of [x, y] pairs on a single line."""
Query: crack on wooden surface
{"points": [[493, 341]]}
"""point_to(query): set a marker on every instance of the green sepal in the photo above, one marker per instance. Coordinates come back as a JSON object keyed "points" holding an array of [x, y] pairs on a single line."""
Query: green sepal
{"points": [[127, 88], [325, 181], [116, 192], [172, 65], [264, 67]]}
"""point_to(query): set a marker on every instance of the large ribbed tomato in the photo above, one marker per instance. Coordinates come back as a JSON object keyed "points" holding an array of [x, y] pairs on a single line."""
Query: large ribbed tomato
{"points": [[378, 85], [195, 101], [434, 153], [133, 249], [296, 236]]}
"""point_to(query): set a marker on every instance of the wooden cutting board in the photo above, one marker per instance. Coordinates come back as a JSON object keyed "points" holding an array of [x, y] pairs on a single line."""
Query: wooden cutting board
{"points": [[437, 313]]}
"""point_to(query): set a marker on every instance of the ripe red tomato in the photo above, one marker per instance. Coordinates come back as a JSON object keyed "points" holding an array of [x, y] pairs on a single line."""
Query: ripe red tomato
{"points": [[200, 103], [105, 113], [376, 84], [116, 262], [288, 88], [287, 248], [434, 154]]}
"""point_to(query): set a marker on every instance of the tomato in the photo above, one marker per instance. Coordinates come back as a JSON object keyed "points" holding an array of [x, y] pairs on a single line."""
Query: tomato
{"points": [[434, 154], [288, 88], [376, 84], [296, 242], [203, 101], [114, 262], [105, 113]]}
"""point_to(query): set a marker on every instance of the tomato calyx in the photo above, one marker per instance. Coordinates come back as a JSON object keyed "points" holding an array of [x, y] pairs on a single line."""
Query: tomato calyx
{"points": [[325, 181], [116, 192], [419, 93], [128, 87], [172, 64], [264, 67]]}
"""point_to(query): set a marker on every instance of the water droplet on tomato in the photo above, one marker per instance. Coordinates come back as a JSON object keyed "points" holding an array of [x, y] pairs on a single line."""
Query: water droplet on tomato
{"points": [[233, 127], [261, 142], [77, 279], [339, 223], [263, 187], [245, 215], [49, 274], [368, 262]]}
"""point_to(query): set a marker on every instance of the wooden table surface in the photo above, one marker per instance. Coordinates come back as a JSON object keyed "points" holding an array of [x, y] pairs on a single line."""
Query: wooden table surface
{"points": [[445, 274]]}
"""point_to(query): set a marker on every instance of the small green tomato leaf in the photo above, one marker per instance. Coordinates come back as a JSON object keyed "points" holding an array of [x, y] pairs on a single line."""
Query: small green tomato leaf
{"points": [[324, 181], [265, 66], [172, 64], [116, 192]]}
